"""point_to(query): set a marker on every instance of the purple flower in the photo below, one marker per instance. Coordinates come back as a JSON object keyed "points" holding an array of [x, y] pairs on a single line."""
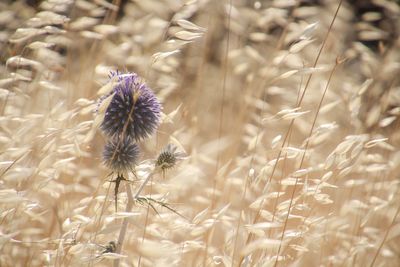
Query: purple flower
{"points": [[134, 110], [120, 154]]}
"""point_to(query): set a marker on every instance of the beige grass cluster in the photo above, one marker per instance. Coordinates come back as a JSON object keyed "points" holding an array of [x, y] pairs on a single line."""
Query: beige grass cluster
{"points": [[289, 115]]}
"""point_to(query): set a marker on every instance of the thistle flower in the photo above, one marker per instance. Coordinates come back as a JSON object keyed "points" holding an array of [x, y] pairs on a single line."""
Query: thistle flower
{"points": [[168, 157], [120, 154], [133, 111]]}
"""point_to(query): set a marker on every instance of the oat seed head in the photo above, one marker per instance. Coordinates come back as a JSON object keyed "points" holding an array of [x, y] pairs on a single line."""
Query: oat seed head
{"points": [[271, 179]]}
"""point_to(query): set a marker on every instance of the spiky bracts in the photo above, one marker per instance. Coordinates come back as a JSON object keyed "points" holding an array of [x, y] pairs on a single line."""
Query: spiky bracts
{"points": [[132, 114], [133, 111], [168, 157], [120, 154]]}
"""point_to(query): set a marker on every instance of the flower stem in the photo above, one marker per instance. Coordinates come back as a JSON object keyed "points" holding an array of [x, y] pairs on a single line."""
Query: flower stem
{"points": [[128, 208]]}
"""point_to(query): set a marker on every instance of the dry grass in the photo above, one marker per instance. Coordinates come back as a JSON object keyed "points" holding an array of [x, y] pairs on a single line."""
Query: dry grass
{"points": [[290, 127]]}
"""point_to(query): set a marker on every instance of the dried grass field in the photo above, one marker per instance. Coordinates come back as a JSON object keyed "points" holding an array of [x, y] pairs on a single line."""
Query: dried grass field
{"points": [[255, 133]]}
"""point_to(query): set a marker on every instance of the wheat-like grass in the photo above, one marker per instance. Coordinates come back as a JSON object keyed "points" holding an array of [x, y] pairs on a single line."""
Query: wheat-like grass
{"points": [[288, 113]]}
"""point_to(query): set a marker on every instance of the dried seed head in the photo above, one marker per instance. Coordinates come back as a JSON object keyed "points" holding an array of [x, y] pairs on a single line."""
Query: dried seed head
{"points": [[168, 157], [133, 111], [120, 154], [110, 248]]}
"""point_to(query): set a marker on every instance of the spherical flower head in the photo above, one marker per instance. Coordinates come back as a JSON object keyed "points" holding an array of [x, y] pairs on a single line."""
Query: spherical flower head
{"points": [[120, 154], [133, 111], [168, 157]]}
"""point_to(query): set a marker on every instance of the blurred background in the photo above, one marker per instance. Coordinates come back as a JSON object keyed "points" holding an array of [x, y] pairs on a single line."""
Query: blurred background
{"points": [[288, 112]]}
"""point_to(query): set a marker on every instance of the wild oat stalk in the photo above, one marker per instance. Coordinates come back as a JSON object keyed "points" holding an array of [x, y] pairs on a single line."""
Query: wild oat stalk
{"points": [[291, 163]]}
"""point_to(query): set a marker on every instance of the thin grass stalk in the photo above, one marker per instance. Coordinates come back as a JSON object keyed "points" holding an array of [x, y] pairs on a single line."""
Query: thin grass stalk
{"points": [[292, 121], [385, 237], [302, 160], [239, 221], [145, 224], [221, 114], [100, 216]]}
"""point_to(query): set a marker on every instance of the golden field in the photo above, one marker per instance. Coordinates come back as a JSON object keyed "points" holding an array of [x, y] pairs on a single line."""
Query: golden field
{"points": [[287, 112]]}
